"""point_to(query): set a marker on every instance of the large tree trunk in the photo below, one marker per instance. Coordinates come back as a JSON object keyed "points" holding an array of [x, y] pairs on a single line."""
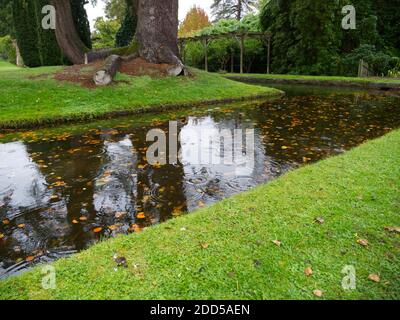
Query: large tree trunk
{"points": [[157, 31], [67, 37]]}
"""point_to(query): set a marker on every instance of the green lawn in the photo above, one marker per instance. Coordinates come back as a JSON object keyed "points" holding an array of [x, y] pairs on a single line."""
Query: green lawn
{"points": [[226, 251], [32, 97], [317, 78]]}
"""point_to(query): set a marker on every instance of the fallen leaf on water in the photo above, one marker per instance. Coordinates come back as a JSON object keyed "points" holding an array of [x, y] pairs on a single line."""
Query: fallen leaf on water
{"points": [[6, 221], [21, 226], [393, 229], [30, 259], [285, 147], [75, 221], [1, 236], [277, 243], [54, 197], [120, 215], [83, 218], [134, 228], [205, 245], [97, 230], [113, 227], [308, 272], [141, 215], [318, 293], [374, 277], [362, 242]]}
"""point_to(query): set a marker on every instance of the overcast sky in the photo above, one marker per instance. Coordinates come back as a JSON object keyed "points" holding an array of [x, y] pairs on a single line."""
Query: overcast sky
{"points": [[184, 7]]}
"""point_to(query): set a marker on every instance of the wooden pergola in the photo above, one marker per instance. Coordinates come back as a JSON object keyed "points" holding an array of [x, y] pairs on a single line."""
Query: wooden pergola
{"points": [[240, 36]]}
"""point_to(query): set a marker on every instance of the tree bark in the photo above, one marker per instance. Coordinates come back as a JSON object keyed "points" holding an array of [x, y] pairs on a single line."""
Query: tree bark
{"points": [[157, 31], [68, 38]]}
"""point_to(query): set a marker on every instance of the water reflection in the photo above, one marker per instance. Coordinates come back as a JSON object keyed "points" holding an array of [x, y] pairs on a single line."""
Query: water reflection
{"points": [[61, 193]]}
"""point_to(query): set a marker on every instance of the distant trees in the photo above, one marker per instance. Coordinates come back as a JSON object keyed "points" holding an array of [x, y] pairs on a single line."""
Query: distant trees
{"points": [[236, 9], [308, 37], [196, 19]]}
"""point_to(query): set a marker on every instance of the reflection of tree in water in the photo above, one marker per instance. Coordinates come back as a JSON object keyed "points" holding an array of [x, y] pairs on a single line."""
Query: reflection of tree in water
{"points": [[159, 188], [22, 188], [208, 177], [115, 187]]}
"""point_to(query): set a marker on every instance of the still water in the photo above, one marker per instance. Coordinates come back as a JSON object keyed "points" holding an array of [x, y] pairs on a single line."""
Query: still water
{"points": [[64, 189]]}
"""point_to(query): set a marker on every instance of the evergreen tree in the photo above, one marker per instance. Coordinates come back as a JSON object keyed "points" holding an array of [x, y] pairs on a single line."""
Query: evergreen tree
{"points": [[226, 9], [26, 32], [127, 31], [6, 22], [81, 21], [308, 36], [49, 52]]}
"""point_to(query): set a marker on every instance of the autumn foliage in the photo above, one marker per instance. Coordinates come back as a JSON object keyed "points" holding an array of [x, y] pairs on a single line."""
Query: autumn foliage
{"points": [[196, 19]]}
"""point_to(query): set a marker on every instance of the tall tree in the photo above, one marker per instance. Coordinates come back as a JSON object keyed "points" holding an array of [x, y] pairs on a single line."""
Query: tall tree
{"points": [[195, 20], [6, 22], [156, 34], [227, 9], [127, 31]]}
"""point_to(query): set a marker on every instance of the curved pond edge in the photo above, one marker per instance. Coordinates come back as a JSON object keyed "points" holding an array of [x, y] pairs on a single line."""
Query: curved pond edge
{"points": [[316, 82], [266, 238], [51, 122]]}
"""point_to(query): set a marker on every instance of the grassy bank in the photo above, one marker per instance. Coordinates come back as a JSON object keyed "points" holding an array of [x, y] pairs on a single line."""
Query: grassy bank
{"points": [[372, 81], [227, 251], [32, 97]]}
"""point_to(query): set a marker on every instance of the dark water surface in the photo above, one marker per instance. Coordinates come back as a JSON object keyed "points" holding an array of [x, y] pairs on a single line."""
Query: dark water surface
{"points": [[61, 190]]}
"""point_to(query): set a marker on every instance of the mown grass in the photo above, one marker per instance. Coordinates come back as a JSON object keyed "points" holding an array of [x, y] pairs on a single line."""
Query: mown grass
{"points": [[33, 97], [317, 78], [226, 251]]}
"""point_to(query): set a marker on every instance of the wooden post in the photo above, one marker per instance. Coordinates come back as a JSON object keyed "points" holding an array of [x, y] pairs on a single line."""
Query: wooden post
{"points": [[232, 60], [241, 53], [205, 44], [269, 56]]}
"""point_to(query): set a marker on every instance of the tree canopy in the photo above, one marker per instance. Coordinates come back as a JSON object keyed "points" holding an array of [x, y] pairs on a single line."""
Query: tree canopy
{"points": [[237, 9], [196, 19], [308, 37]]}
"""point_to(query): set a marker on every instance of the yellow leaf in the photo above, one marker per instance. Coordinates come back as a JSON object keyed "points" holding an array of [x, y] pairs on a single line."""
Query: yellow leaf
{"points": [[113, 227], [318, 293], [393, 229], [205, 245], [83, 218], [362, 242], [277, 243], [75, 221], [30, 259], [21, 226], [1, 236], [374, 277], [308, 272], [141, 215], [135, 228], [6, 221], [97, 230]]}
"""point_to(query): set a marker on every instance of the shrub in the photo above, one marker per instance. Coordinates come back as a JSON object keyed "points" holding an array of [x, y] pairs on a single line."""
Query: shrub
{"points": [[7, 50]]}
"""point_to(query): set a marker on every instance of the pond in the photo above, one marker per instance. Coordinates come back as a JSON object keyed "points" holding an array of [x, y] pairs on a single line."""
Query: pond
{"points": [[64, 189]]}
